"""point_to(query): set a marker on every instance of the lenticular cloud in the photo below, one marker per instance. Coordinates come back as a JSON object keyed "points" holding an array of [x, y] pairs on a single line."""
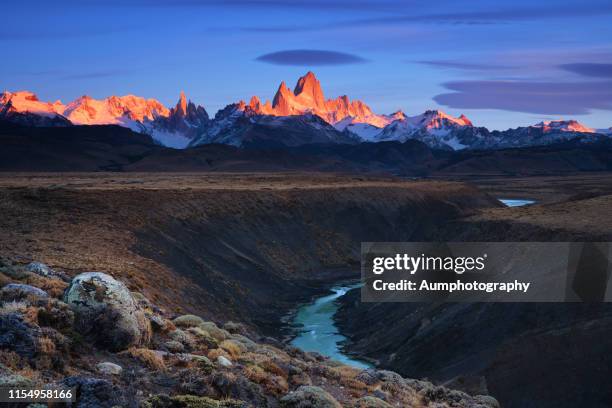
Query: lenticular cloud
{"points": [[310, 58]]}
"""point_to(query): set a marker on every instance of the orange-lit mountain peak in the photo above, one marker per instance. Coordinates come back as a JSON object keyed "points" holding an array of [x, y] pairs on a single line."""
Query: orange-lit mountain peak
{"points": [[181, 106], [564, 126], [465, 120], [308, 97], [308, 91]]}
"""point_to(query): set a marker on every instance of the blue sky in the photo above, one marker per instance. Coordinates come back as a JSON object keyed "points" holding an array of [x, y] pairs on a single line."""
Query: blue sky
{"points": [[504, 63]]}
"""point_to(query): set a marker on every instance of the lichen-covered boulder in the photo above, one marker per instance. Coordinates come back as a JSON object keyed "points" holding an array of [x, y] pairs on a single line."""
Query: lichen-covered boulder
{"points": [[308, 396], [106, 312]]}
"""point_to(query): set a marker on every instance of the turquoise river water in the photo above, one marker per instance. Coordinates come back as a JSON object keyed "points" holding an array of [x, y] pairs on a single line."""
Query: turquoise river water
{"points": [[318, 331]]}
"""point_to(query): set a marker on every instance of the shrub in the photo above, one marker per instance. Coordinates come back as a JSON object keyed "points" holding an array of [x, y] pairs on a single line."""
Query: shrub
{"points": [[189, 401], [188, 321], [203, 337], [183, 337], [217, 333]]}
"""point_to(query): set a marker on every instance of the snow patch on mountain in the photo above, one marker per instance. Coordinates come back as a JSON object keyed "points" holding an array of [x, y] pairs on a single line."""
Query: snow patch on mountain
{"points": [[555, 126]]}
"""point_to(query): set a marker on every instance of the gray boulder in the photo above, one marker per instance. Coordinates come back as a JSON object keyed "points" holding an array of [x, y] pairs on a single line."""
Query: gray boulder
{"points": [[39, 268], [224, 361], [106, 312], [19, 291], [308, 396], [109, 368]]}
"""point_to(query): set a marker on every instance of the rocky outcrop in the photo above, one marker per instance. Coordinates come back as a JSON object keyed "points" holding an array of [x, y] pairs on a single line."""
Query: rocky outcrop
{"points": [[20, 291], [109, 368], [106, 311]]}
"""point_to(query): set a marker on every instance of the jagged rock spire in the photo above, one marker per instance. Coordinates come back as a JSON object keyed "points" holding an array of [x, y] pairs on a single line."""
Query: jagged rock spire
{"points": [[308, 88], [181, 106]]}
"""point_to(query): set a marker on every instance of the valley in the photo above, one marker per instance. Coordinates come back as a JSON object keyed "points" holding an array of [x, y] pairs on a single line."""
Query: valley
{"points": [[251, 247], [234, 246]]}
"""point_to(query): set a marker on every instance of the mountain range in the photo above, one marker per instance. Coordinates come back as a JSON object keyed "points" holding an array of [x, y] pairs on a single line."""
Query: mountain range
{"points": [[294, 117]]}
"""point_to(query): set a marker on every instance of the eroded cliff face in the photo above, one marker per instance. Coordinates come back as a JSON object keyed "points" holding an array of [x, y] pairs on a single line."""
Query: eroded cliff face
{"points": [[246, 248]]}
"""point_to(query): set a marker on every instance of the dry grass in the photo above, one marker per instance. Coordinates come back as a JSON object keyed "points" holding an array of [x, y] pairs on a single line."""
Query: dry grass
{"points": [[46, 346], [271, 367], [11, 360], [273, 384], [54, 287], [194, 181], [214, 353], [234, 348], [29, 313], [148, 357]]}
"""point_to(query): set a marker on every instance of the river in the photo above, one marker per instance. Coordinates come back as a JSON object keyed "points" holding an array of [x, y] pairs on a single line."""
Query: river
{"points": [[317, 329], [515, 202]]}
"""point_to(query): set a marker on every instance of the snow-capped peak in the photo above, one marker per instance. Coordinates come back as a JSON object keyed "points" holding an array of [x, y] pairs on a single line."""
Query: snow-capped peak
{"points": [[436, 119], [120, 110], [554, 126], [434, 127], [28, 102], [172, 127]]}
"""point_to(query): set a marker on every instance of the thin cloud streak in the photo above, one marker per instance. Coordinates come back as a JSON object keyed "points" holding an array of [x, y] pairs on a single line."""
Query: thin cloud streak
{"points": [[550, 98], [458, 18], [94, 75], [465, 65], [597, 70]]}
